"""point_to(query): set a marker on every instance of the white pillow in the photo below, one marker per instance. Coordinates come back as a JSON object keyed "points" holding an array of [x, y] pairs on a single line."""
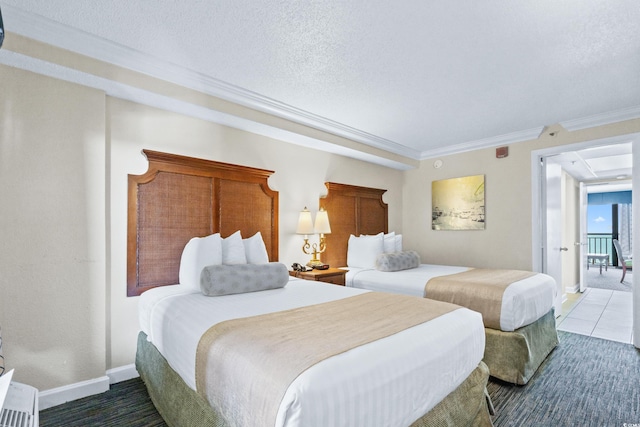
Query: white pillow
{"points": [[390, 242], [233, 250], [255, 249], [198, 253], [362, 251], [398, 240]]}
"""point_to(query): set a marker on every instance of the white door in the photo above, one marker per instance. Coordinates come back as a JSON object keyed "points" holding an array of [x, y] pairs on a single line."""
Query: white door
{"points": [[553, 250], [584, 239]]}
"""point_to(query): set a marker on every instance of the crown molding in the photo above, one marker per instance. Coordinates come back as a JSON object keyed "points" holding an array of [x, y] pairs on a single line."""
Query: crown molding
{"points": [[47, 31], [145, 97], [534, 133], [602, 119], [509, 138], [39, 28]]}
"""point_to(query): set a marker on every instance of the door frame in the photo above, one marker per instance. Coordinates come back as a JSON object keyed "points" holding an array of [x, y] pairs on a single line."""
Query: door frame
{"points": [[538, 204], [552, 231], [583, 243]]}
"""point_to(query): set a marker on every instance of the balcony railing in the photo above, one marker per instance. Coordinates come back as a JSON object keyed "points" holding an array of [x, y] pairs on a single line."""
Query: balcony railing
{"points": [[602, 243]]}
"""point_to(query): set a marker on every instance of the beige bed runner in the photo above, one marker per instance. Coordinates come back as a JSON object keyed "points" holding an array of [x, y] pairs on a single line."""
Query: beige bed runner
{"points": [[244, 366], [479, 289]]}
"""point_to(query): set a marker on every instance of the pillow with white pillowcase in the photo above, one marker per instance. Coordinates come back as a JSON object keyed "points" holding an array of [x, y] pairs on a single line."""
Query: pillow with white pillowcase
{"points": [[398, 242], [196, 255], [255, 249], [362, 251], [390, 242], [233, 250]]}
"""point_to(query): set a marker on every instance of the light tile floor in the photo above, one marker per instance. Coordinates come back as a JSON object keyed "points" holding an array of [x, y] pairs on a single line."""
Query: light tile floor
{"points": [[599, 313]]}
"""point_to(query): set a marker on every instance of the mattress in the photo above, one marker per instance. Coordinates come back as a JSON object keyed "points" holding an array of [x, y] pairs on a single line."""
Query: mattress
{"points": [[343, 389], [523, 302]]}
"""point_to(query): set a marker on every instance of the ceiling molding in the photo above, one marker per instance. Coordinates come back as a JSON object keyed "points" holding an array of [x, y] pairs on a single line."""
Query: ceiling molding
{"points": [[48, 31], [144, 97], [530, 134], [602, 119], [506, 139], [42, 29]]}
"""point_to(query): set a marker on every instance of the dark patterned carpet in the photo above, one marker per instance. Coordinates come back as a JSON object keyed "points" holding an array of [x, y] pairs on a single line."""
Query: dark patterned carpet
{"points": [[584, 382], [125, 404]]}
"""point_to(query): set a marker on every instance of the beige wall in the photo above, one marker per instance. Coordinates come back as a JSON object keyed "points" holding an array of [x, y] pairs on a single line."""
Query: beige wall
{"points": [[507, 240], [507, 211], [52, 221]]}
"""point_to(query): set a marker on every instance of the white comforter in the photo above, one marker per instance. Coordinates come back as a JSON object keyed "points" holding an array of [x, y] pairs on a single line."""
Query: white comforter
{"points": [[523, 302], [389, 382]]}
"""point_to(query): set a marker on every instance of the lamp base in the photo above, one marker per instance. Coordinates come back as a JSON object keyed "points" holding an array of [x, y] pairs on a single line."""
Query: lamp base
{"points": [[315, 263]]}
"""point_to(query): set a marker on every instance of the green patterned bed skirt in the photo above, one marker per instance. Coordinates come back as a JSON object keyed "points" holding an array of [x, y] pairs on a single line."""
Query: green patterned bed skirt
{"points": [[180, 406], [515, 356]]}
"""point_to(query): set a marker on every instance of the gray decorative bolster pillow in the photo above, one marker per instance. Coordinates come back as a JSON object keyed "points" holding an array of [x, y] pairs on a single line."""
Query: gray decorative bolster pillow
{"points": [[396, 261], [217, 280]]}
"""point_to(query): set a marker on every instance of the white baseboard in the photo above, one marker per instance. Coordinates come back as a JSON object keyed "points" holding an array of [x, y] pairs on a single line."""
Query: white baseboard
{"points": [[123, 373], [573, 289], [58, 396]]}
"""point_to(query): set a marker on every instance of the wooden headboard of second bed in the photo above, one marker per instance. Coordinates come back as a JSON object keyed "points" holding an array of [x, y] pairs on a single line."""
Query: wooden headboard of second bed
{"points": [[351, 210]]}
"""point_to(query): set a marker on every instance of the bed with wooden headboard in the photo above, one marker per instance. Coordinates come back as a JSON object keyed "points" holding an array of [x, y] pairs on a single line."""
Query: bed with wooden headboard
{"points": [[353, 210], [182, 197], [179, 198], [513, 355]]}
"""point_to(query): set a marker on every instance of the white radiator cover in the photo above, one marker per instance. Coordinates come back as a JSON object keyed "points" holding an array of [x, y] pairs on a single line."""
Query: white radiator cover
{"points": [[20, 407]]}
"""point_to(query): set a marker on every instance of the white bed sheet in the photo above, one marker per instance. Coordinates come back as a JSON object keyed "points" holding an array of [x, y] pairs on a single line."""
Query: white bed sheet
{"points": [[523, 302], [350, 389]]}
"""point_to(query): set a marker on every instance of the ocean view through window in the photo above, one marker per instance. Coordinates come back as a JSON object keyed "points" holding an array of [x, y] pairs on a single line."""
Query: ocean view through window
{"points": [[600, 229]]}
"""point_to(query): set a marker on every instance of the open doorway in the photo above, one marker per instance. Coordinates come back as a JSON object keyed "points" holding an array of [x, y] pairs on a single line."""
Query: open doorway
{"points": [[601, 178], [596, 212]]}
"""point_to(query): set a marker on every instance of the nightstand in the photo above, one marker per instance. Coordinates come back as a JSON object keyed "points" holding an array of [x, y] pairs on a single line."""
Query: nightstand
{"points": [[330, 275]]}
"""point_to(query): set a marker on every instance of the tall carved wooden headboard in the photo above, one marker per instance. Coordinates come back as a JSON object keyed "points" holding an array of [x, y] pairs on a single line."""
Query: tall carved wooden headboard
{"points": [[352, 210], [183, 197]]}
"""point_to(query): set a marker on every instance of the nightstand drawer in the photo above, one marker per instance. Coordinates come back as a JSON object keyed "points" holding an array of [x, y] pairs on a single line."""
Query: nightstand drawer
{"points": [[338, 279], [334, 276]]}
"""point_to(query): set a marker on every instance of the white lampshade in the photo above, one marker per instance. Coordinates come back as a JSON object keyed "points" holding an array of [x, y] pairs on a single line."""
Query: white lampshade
{"points": [[305, 223], [322, 222]]}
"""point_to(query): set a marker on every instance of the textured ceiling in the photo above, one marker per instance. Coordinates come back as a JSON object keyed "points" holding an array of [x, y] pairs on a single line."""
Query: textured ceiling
{"points": [[602, 168], [416, 76]]}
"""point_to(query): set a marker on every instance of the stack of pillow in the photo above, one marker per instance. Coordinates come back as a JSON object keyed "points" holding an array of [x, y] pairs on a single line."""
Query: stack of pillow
{"points": [[381, 251], [218, 266], [363, 250]]}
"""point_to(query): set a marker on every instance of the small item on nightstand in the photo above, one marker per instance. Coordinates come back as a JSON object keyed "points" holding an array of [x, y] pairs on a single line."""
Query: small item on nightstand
{"points": [[322, 267], [299, 267]]}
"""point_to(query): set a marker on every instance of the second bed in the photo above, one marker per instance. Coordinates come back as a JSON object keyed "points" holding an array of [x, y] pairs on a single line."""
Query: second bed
{"points": [[517, 306], [523, 332]]}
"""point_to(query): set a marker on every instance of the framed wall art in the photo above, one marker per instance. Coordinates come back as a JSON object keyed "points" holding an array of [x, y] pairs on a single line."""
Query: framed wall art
{"points": [[458, 203]]}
